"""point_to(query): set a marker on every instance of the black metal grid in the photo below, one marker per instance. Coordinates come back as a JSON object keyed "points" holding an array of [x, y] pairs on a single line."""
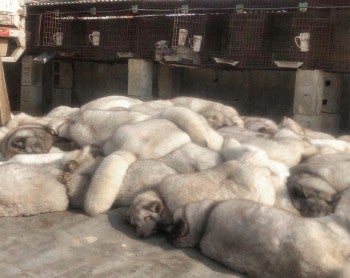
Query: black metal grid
{"points": [[258, 39], [195, 23], [52, 24], [280, 32], [256, 36], [149, 32], [246, 34]]}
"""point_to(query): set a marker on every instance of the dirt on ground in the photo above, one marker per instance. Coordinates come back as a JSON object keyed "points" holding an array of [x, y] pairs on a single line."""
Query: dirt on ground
{"points": [[70, 244]]}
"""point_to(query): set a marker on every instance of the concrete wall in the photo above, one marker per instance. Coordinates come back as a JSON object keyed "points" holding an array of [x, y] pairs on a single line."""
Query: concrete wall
{"points": [[345, 108], [93, 80], [257, 92], [13, 82]]}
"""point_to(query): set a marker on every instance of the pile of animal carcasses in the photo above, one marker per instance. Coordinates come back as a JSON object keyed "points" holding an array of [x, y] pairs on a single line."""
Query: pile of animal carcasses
{"points": [[264, 199]]}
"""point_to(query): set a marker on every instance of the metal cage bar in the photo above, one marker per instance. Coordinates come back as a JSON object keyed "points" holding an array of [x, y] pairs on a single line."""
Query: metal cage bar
{"points": [[255, 34]]}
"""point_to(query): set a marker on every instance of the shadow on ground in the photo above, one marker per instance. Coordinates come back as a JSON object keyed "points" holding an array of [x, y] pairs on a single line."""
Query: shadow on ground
{"points": [[70, 244], [119, 222]]}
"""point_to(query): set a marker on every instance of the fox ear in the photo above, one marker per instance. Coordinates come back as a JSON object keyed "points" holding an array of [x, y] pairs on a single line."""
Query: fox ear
{"points": [[49, 130], [262, 130], [304, 191], [335, 199], [18, 143], [179, 229], [156, 206]]}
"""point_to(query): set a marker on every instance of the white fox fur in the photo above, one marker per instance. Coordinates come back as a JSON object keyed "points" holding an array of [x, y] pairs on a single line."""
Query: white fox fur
{"points": [[263, 241], [31, 183], [279, 172], [261, 125], [63, 111], [106, 182], [95, 184], [331, 168], [240, 133], [195, 126], [217, 118], [25, 119], [217, 114], [58, 114], [31, 139], [150, 139], [47, 158], [302, 132], [247, 177], [152, 108], [60, 117], [95, 127], [329, 146], [141, 174], [345, 138], [285, 146], [191, 158], [57, 159], [289, 151], [110, 103], [315, 185], [118, 185], [30, 189]]}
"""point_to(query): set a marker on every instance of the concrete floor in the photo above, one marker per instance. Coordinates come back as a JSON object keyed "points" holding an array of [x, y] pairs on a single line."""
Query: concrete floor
{"points": [[69, 244]]}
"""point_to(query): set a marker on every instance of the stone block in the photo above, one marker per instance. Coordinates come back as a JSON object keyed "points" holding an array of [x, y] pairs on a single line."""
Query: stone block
{"points": [[316, 92], [31, 99], [140, 78], [323, 122]]}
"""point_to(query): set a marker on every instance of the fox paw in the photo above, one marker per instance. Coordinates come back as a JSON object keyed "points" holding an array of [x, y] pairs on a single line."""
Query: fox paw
{"points": [[64, 177], [72, 165]]}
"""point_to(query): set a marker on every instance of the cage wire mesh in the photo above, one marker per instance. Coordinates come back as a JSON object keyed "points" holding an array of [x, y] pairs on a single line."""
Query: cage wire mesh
{"points": [[258, 39], [53, 27], [246, 33], [339, 53], [127, 34], [186, 26], [150, 31], [255, 34]]}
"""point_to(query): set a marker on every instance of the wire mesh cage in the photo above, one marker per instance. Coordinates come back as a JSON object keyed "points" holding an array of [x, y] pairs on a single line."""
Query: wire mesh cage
{"points": [[244, 34], [54, 30], [189, 30], [108, 35], [264, 40], [246, 38]]}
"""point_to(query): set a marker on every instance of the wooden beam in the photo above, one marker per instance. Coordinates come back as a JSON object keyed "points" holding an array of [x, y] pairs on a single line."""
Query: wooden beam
{"points": [[5, 112]]}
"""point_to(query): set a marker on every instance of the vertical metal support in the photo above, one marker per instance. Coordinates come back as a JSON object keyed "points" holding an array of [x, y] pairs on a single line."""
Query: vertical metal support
{"points": [[5, 112]]}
